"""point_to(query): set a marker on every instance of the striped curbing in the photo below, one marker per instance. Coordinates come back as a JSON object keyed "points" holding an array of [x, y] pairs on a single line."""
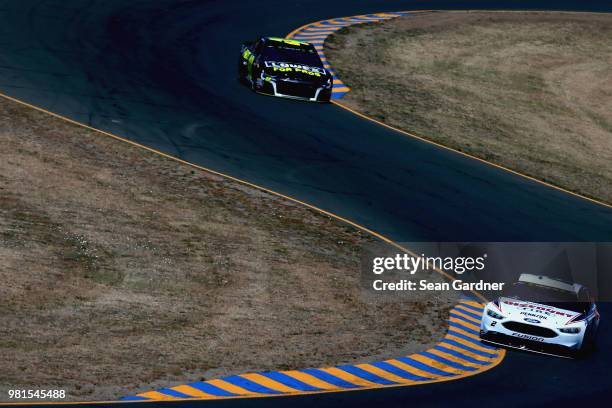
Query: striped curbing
{"points": [[316, 33], [459, 354]]}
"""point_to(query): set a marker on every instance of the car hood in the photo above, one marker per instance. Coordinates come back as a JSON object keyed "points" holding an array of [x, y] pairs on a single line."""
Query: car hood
{"points": [[296, 71], [536, 313]]}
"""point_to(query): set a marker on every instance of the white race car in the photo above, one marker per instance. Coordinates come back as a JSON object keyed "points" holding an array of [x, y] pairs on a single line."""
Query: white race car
{"points": [[542, 314]]}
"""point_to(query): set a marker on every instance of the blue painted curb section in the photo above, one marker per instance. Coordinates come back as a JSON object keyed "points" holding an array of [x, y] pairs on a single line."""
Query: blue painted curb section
{"points": [[316, 33], [459, 354]]}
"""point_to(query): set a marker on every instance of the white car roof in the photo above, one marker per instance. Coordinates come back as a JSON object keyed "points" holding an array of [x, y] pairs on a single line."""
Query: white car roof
{"points": [[550, 282]]}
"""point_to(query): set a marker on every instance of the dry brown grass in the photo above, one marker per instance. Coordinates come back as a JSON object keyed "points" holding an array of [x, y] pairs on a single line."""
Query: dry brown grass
{"points": [[122, 271], [531, 91]]}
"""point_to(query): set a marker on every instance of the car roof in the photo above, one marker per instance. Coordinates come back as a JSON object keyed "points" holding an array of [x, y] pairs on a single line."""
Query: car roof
{"points": [[286, 42]]}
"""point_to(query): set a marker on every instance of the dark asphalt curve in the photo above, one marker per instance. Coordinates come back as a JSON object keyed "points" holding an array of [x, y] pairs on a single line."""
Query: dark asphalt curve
{"points": [[163, 73]]}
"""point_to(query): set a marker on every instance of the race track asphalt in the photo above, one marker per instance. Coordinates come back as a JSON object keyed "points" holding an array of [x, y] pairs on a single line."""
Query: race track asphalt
{"points": [[163, 73]]}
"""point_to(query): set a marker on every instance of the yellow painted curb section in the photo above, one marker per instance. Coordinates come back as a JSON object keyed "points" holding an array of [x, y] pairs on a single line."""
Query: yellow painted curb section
{"points": [[458, 355]]}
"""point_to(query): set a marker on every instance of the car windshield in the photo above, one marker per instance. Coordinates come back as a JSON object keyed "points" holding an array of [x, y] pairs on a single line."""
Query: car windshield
{"points": [[281, 52], [545, 295]]}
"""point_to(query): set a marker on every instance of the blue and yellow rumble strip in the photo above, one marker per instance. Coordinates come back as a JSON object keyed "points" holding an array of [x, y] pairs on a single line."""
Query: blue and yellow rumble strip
{"points": [[459, 354], [316, 33]]}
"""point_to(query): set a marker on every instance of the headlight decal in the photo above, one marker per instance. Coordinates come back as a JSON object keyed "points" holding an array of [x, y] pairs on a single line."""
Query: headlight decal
{"points": [[570, 330]]}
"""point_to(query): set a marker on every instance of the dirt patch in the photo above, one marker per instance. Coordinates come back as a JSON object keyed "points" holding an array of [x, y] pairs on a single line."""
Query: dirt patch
{"points": [[531, 91], [123, 271]]}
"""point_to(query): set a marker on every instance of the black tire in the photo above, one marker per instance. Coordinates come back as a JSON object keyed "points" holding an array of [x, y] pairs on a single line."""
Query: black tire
{"points": [[254, 74], [589, 346], [325, 97]]}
